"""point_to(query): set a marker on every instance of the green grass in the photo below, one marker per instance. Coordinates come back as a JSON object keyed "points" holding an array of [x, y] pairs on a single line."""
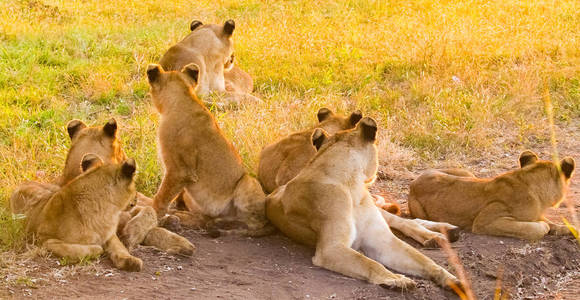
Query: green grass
{"points": [[394, 60]]}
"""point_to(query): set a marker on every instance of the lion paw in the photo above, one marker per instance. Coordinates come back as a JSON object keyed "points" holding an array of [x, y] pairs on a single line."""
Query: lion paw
{"points": [[453, 234], [401, 282], [436, 241], [171, 223], [130, 263], [185, 251]]}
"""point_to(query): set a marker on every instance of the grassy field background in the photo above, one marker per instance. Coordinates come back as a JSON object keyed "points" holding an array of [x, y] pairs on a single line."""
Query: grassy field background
{"points": [[443, 78]]}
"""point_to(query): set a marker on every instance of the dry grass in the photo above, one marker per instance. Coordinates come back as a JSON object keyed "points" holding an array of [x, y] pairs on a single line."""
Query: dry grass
{"points": [[443, 78]]}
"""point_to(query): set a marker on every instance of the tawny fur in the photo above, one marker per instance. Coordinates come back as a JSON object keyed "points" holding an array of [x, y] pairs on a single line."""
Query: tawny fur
{"points": [[211, 48], [80, 219], [197, 158], [328, 206], [103, 141], [281, 161], [512, 204]]}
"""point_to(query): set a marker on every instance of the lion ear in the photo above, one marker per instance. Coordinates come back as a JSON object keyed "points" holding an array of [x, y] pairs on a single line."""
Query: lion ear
{"points": [[323, 114], [110, 129], [192, 71], [128, 168], [355, 117], [195, 24], [153, 72], [318, 137], [90, 160], [527, 157], [73, 127], [368, 127], [229, 27], [567, 165]]}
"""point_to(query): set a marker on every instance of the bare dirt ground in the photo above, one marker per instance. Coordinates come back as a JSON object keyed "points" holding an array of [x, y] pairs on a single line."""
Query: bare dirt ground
{"points": [[273, 267]]}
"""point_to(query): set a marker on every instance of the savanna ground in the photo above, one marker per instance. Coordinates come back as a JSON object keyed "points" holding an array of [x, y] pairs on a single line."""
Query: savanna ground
{"points": [[452, 83]]}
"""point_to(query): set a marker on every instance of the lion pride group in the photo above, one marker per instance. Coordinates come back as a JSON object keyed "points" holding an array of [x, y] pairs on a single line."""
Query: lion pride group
{"points": [[312, 185]]}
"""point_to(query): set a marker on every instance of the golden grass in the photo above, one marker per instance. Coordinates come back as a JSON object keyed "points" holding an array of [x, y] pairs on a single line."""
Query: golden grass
{"points": [[443, 78]]}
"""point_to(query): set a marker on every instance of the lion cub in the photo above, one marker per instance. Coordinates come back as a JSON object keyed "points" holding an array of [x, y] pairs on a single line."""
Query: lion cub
{"points": [[137, 225], [80, 219], [511, 204], [327, 205], [198, 159], [211, 48], [282, 160]]}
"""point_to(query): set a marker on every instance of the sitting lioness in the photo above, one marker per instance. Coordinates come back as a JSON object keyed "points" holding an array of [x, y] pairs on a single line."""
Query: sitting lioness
{"points": [[198, 159], [136, 226], [211, 48], [511, 204], [80, 219], [327, 205]]}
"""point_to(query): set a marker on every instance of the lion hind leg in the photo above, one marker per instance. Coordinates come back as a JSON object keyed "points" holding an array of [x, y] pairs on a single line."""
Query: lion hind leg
{"points": [[139, 226], [414, 230], [391, 207], [30, 193], [452, 231], [250, 203], [492, 220], [74, 252], [457, 172], [379, 243], [169, 242]]}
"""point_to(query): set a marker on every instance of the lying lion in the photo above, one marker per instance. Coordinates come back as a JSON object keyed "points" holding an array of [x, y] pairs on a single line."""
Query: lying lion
{"points": [[80, 219], [211, 48], [511, 204], [327, 205], [197, 157], [136, 226], [283, 160]]}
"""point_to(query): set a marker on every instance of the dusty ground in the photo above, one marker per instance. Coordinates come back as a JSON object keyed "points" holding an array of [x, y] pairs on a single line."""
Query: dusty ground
{"points": [[233, 267]]}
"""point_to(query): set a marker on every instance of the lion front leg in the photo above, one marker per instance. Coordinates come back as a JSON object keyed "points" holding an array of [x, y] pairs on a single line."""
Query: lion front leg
{"points": [[379, 243], [493, 220], [74, 252], [557, 229], [139, 226], [417, 231], [334, 252], [120, 256], [170, 187], [169, 242]]}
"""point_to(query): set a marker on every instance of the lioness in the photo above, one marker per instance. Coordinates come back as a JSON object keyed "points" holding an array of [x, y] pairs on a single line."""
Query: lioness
{"points": [[136, 226], [80, 219], [211, 48], [283, 160], [198, 159], [327, 205], [511, 204]]}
